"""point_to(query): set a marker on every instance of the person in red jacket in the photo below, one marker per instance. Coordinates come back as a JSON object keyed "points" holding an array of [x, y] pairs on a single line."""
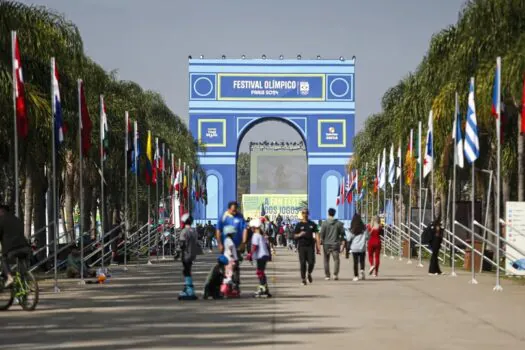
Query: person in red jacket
{"points": [[374, 245]]}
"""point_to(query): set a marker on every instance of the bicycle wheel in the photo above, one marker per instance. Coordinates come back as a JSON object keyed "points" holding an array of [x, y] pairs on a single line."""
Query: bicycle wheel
{"points": [[6, 296], [29, 298]]}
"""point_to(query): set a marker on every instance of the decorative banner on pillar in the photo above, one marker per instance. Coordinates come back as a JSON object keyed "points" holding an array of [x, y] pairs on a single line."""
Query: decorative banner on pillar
{"points": [[212, 132], [515, 235], [331, 132], [287, 205], [271, 87]]}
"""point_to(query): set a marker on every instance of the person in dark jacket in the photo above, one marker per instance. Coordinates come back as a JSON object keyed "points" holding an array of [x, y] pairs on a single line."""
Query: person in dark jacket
{"points": [[14, 243], [332, 233], [435, 245]]}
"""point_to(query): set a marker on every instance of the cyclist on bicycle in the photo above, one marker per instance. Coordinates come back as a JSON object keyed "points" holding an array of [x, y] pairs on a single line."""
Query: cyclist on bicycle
{"points": [[14, 243]]}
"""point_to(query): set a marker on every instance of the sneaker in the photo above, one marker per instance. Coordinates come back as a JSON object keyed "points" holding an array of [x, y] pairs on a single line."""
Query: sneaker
{"points": [[362, 274], [310, 279], [375, 275], [210, 251], [355, 279], [372, 268], [336, 278], [8, 282], [303, 283], [327, 278]]}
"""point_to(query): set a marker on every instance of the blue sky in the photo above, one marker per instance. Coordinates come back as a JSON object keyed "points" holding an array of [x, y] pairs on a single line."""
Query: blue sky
{"points": [[148, 41]]}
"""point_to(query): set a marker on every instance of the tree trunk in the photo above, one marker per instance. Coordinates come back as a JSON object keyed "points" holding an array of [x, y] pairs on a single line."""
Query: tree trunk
{"points": [[88, 199], [39, 210], [28, 198], [520, 164], [69, 189]]}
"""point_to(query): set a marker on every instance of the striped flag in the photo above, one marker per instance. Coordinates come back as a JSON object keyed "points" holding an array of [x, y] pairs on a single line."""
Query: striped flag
{"points": [[382, 171], [428, 160], [149, 159], [104, 140], [522, 128], [57, 106], [497, 108], [399, 156], [392, 167], [22, 122], [471, 131], [458, 137], [136, 149]]}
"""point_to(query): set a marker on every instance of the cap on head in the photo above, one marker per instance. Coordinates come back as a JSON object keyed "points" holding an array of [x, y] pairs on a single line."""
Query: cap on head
{"points": [[223, 260], [255, 223]]}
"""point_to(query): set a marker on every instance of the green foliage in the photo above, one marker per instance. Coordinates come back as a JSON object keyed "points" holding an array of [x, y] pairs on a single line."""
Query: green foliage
{"points": [[485, 29]]}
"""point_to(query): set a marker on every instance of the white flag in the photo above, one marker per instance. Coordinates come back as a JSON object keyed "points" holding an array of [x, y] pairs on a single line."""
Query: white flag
{"points": [[428, 158], [392, 167]]}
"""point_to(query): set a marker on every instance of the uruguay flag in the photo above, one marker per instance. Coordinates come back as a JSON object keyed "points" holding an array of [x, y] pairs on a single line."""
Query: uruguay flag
{"points": [[57, 107], [471, 131]]}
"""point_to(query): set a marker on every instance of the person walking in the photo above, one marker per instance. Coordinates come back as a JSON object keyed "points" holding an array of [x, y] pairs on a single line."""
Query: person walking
{"points": [[374, 245], [232, 217], [435, 244], [332, 233], [190, 248], [357, 242], [210, 231], [307, 244]]}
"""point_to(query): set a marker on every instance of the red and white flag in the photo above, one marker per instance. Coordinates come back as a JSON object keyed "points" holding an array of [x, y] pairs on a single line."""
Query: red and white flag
{"points": [[22, 123]]}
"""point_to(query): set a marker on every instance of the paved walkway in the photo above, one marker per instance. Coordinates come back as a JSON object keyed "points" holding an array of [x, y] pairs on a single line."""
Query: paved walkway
{"points": [[402, 309]]}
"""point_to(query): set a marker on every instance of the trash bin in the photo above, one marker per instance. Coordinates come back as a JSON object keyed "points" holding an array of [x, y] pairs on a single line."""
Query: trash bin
{"points": [[477, 258], [486, 265]]}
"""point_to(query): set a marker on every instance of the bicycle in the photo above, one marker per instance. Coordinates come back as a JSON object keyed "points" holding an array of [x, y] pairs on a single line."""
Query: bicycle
{"points": [[24, 288]]}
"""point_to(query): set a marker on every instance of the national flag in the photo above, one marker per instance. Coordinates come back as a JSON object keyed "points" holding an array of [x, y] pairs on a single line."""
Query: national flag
{"points": [[104, 139], [193, 185], [471, 132], [428, 161], [376, 179], [497, 107], [177, 184], [86, 126], [392, 167], [340, 192], [399, 160], [382, 171], [419, 154], [409, 160], [149, 159], [136, 149], [156, 162], [204, 193], [184, 184], [22, 122], [129, 140], [57, 106], [161, 157], [522, 128], [458, 137], [349, 186], [173, 177]]}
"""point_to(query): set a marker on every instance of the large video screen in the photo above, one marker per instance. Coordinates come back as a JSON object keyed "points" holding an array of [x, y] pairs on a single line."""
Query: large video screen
{"points": [[283, 172]]}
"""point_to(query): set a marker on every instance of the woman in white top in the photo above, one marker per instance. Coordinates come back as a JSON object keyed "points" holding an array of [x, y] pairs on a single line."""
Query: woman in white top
{"points": [[261, 254]]}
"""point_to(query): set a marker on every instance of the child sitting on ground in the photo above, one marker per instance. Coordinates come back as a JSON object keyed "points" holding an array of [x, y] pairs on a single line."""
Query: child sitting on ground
{"points": [[230, 252]]}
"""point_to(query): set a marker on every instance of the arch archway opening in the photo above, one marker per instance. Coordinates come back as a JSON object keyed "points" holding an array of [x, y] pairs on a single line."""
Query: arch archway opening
{"points": [[272, 164]]}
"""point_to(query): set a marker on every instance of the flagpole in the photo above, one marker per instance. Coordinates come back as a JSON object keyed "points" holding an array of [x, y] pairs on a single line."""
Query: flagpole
{"points": [[420, 161], [162, 197], [136, 162], [378, 180], [126, 223], [400, 201], [149, 221], [472, 215], [102, 216], [15, 128], [81, 182], [157, 214], [53, 159], [498, 287], [453, 258]]}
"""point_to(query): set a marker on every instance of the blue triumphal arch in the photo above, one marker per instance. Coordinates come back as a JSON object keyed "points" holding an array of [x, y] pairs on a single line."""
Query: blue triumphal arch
{"points": [[316, 97]]}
